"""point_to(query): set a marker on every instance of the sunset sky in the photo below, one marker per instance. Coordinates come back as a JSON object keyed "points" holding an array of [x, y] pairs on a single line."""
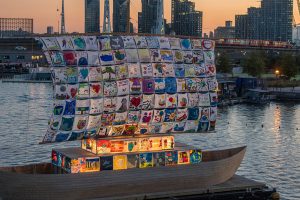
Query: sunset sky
{"points": [[44, 12]]}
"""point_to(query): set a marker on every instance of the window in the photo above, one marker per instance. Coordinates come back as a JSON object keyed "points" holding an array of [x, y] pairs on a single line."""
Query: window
{"points": [[6, 57], [20, 57]]}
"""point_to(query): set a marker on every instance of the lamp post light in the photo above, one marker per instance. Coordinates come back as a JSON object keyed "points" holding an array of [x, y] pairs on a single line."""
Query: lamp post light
{"points": [[277, 73]]}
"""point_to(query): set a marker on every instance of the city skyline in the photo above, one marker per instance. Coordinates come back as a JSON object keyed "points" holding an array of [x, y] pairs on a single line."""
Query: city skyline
{"points": [[214, 13]]}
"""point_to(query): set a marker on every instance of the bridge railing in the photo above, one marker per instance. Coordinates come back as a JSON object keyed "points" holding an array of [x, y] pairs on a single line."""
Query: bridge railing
{"points": [[253, 43]]}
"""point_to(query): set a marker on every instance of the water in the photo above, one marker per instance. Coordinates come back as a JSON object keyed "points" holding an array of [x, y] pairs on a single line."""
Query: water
{"points": [[273, 154]]}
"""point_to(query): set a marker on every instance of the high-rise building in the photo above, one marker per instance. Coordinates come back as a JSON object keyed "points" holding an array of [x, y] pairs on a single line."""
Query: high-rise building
{"points": [[241, 26], [106, 17], [168, 29], [50, 30], [15, 27], [227, 31], [254, 23], [272, 21], [249, 26], [211, 34], [141, 26], [228, 23], [121, 16], [159, 25], [185, 19], [131, 27], [278, 19], [92, 16], [149, 18]]}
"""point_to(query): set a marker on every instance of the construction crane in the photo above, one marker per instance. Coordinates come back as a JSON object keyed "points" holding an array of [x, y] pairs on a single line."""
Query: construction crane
{"points": [[63, 26]]}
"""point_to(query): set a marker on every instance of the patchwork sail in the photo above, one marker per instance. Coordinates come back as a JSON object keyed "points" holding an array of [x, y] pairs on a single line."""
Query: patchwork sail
{"points": [[124, 85]]}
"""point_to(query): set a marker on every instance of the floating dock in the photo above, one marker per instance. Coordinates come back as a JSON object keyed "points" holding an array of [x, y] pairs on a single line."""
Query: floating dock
{"points": [[155, 185], [237, 187]]}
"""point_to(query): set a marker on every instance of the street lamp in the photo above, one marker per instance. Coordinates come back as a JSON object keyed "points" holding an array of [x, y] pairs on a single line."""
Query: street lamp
{"points": [[277, 72]]}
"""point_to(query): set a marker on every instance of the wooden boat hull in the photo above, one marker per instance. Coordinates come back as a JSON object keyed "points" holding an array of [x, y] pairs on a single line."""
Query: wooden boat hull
{"points": [[217, 167]]}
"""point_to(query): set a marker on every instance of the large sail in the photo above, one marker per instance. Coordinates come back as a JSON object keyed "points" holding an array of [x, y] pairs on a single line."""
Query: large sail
{"points": [[124, 85]]}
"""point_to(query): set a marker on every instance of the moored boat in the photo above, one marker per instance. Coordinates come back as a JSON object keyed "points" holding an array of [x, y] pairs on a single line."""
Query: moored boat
{"points": [[124, 100], [257, 96], [38, 181]]}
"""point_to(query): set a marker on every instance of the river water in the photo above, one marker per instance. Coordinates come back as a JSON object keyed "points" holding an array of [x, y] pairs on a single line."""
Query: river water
{"points": [[271, 132]]}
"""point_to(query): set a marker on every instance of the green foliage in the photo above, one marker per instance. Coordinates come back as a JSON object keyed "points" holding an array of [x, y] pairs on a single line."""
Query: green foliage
{"points": [[271, 60], [223, 64], [254, 64], [298, 62], [288, 65]]}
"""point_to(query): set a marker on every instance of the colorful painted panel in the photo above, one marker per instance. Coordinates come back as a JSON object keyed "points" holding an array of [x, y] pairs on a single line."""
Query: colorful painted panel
{"points": [[82, 164], [103, 146], [132, 161], [159, 159], [130, 85], [135, 144], [146, 160], [183, 157], [106, 163], [120, 162], [171, 158], [195, 156], [90, 165]]}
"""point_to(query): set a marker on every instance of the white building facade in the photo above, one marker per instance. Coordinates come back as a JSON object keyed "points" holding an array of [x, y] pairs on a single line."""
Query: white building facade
{"points": [[296, 35]]}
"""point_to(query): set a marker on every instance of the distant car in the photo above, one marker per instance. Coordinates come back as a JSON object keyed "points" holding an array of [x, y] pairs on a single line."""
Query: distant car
{"points": [[20, 48]]}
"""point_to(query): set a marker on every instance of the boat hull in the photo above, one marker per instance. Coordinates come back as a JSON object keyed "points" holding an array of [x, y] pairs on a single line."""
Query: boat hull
{"points": [[217, 167]]}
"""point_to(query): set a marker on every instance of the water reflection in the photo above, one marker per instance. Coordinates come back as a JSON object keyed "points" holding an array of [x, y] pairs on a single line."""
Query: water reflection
{"points": [[277, 123]]}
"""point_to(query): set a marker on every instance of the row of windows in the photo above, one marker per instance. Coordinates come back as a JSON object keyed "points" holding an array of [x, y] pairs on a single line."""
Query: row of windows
{"points": [[7, 57]]}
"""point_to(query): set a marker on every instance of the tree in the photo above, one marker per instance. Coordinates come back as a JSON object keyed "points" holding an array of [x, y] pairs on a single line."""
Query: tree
{"points": [[288, 65], [223, 64], [271, 61], [298, 62], [254, 64]]}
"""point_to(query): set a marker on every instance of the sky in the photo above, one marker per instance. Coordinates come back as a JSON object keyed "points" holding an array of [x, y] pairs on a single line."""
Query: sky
{"points": [[44, 12]]}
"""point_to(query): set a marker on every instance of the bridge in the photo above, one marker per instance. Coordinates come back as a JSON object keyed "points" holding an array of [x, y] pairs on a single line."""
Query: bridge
{"points": [[26, 49], [254, 44]]}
